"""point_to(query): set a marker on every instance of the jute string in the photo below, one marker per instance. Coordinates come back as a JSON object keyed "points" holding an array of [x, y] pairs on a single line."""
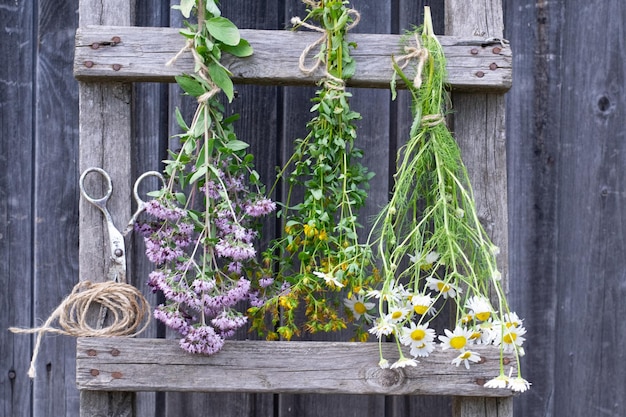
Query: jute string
{"points": [[127, 307], [296, 21], [421, 54]]}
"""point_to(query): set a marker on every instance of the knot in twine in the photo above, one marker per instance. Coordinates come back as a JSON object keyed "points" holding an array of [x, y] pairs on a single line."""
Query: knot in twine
{"points": [[296, 21], [126, 304], [414, 52], [202, 71]]}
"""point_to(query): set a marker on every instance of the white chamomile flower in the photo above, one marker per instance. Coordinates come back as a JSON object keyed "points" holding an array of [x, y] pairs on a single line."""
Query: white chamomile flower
{"points": [[519, 384], [484, 333], [420, 338], [422, 304], [458, 339], [359, 307], [383, 363], [500, 381], [466, 357], [397, 314], [330, 279], [403, 362], [479, 307], [512, 320], [382, 327], [445, 288], [510, 338]]}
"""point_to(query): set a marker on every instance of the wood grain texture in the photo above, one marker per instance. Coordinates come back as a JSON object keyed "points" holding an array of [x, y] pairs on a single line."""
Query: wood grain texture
{"points": [[17, 46], [142, 53], [105, 129], [55, 226], [479, 128], [120, 364]]}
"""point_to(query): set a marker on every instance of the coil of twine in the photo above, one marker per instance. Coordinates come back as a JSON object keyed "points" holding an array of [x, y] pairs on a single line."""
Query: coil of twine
{"points": [[127, 307]]}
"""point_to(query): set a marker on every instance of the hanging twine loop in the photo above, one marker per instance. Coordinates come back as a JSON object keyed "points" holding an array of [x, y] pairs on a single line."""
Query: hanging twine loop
{"points": [[296, 21], [127, 308]]}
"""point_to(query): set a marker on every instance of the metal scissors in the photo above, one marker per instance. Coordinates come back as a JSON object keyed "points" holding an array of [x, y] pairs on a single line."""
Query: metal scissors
{"points": [[116, 238]]}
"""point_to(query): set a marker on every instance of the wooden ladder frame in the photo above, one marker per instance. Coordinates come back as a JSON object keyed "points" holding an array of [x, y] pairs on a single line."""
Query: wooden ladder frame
{"points": [[110, 54]]}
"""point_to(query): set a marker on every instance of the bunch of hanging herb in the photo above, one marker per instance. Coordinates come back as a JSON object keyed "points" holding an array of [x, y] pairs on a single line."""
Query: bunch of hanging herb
{"points": [[206, 218], [429, 240], [319, 254]]}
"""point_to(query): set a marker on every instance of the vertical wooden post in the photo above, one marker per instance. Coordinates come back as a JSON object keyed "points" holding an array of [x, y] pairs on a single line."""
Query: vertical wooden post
{"points": [[479, 127], [105, 129]]}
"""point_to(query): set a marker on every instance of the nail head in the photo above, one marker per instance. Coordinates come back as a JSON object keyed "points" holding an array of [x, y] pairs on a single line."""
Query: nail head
{"points": [[496, 50], [88, 64], [12, 374], [493, 66], [480, 74], [474, 51], [95, 45], [94, 372], [115, 352], [117, 67], [116, 375], [116, 39], [92, 352]]}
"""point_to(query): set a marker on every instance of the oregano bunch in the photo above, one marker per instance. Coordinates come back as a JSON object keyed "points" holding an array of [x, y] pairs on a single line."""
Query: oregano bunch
{"points": [[319, 254], [430, 242], [206, 219]]}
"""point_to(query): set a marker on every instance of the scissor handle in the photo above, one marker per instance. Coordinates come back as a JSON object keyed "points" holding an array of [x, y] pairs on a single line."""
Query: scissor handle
{"points": [[101, 201], [138, 199], [141, 204]]}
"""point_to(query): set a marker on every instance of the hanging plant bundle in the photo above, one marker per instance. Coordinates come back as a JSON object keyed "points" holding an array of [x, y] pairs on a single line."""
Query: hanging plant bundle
{"points": [[206, 218], [319, 254], [431, 246]]}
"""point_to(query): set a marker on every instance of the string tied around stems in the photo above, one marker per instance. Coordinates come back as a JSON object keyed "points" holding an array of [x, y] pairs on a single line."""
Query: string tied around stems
{"points": [[127, 308]]}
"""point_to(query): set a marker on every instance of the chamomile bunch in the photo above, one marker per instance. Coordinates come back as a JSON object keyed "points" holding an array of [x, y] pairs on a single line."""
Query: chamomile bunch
{"points": [[431, 246]]}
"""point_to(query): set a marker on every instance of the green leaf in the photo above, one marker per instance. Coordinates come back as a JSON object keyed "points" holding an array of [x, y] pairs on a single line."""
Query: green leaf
{"points": [[242, 50], [212, 8], [200, 172], [220, 77], [223, 30], [317, 193], [180, 120], [185, 7], [236, 145], [181, 198], [189, 85]]}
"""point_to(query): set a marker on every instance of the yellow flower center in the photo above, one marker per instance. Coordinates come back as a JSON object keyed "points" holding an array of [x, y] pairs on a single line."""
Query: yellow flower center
{"points": [[443, 287], [458, 342], [418, 334], [359, 307], [420, 309], [509, 338], [483, 316], [475, 335], [466, 355], [396, 315]]}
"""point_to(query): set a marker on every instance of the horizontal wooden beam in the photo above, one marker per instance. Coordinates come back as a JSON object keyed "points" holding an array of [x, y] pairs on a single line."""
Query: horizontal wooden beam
{"points": [[124, 364], [106, 53]]}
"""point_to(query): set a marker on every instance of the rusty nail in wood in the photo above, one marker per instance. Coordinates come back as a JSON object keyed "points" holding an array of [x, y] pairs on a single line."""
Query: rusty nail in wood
{"points": [[482, 359], [95, 45], [116, 67], [116, 39], [480, 74], [481, 381], [12, 374], [493, 66], [474, 51], [92, 352], [506, 361], [116, 375], [94, 372], [115, 352], [496, 50], [88, 64]]}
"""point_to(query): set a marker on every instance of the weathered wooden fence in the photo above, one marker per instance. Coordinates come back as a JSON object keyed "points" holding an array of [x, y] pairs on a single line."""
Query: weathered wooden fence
{"points": [[566, 198]]}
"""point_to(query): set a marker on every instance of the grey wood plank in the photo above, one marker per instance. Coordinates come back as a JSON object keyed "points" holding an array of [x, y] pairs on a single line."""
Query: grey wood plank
{"points": [[119, 364], [141, 54], [56, 201], [534, 125], [591, 214], [479, 126], [105, 129], [17, 46]]}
